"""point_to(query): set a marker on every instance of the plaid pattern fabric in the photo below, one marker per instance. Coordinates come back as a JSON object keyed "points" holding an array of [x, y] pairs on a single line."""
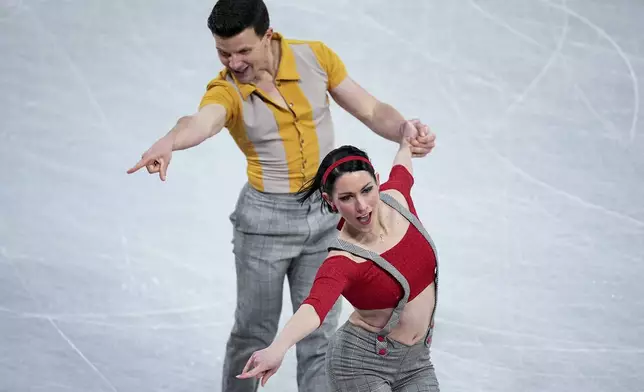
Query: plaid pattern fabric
{"points": [[359, 360], [353, 366], [277, 238]]}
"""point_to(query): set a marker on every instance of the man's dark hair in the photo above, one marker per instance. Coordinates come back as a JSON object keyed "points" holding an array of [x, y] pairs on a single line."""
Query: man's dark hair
{"points": [[230, 17]]}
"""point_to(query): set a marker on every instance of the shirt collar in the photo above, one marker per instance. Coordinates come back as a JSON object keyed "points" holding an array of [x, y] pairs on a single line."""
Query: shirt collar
{"points": [[286, 70]]}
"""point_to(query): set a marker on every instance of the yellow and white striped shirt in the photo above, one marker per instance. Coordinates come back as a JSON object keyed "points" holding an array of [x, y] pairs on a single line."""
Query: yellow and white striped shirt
{"points": [[283, 147]]}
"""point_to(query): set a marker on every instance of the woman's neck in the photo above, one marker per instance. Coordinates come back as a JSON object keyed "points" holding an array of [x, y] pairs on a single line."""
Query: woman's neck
{"points": [[377, 234]]}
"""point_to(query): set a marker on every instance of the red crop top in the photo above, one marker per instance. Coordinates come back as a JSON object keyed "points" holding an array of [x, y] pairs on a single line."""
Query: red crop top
{"points": [[367, 286]]}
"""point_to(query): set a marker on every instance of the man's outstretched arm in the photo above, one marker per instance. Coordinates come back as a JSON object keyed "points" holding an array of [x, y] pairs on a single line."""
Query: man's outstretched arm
{"points": [[189, 131], [379, 116]]}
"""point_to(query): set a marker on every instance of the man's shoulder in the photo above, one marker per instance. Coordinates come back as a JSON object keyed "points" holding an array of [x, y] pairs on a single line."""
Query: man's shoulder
{"points": [[220, 80], [324, 55], [314, 44]]}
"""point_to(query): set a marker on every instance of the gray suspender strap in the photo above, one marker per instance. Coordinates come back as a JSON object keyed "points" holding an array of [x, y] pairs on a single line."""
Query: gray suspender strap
{"points": [[393, 203], [381, 344], [384, 264]]}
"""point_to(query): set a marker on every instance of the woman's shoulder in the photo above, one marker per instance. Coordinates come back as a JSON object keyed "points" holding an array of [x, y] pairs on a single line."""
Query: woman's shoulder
{"points": [[398, 196], [342, 256], [399, 186], [400, 179]]}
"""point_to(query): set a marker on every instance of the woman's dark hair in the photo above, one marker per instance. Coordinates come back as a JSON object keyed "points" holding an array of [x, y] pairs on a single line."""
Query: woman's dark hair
{"points": [[230, 17], [314, 185]]}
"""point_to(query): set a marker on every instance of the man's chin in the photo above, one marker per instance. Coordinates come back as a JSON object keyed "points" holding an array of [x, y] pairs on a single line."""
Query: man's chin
{"points": [[244, 77]]}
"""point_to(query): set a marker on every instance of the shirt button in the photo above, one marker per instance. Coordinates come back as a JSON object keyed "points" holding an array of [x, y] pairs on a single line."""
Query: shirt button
{"points": [[382, 351], [291, 104], [381, 338]]}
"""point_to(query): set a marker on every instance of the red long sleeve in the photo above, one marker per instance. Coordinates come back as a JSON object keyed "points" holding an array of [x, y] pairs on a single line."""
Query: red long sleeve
{"points": [[333, 277]]}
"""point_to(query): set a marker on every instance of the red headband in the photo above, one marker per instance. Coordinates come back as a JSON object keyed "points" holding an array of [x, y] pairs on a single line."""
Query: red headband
{"points": [[341, 161]]}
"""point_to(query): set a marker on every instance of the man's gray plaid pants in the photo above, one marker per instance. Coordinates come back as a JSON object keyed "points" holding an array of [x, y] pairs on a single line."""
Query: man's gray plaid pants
{"points": [[275, 237]]}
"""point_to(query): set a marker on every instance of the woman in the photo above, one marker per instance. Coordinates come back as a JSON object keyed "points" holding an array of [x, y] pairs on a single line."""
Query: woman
{"points": [[384, 263]]}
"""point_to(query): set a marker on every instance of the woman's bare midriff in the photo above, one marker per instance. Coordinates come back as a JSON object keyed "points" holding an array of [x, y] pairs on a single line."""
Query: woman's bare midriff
{"points": [[415, 318], [413, 323]]}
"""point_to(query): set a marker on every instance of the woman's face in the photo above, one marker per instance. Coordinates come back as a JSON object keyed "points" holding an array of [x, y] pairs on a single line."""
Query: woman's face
{"points": [[356, 196]]}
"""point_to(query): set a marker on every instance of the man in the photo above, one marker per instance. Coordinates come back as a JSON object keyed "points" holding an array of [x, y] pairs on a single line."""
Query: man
{"points": [[272, 98]]}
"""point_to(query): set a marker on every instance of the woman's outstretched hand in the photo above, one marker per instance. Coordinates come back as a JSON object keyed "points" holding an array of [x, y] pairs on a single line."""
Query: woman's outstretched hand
{"points": [[263, 364]]}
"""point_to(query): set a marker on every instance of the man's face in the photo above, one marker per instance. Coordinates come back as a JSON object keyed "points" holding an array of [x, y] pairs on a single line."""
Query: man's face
{"points": [[244, 54]]}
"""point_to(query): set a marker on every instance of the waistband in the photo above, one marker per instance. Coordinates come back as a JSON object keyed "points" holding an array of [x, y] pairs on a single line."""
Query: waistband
{"points": [[285, 198], [370, 337]]}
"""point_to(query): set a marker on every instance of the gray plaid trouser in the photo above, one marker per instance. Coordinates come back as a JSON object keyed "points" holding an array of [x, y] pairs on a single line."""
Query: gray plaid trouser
{"points": [[354, 366], [275, 237]]}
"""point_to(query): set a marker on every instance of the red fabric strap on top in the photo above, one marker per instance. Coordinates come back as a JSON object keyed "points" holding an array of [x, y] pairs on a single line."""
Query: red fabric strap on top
{"points": [[341, 161]]}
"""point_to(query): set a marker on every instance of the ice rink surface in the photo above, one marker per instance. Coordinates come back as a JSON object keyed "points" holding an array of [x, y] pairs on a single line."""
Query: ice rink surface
{"points": [[534, 194]]}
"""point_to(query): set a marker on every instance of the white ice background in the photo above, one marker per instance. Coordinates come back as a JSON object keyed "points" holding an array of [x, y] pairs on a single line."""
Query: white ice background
{"points": [[534, 193]]}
